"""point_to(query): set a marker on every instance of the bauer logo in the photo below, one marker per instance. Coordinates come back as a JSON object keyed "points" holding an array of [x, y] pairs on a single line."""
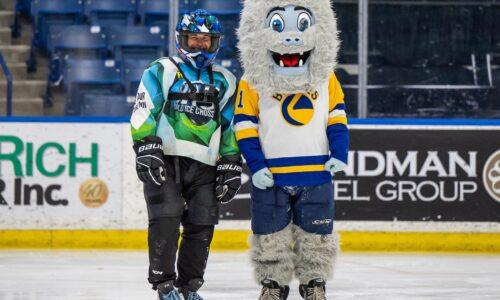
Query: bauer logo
{"points": [[491, 176], [93, 193]]}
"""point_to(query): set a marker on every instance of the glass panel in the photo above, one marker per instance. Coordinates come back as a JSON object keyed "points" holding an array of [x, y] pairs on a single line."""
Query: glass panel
{"points": [[347, 70], [433, 59]]}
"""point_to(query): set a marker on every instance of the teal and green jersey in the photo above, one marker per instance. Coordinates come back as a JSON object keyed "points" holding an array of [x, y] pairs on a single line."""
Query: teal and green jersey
{"points": [[187, 128]]}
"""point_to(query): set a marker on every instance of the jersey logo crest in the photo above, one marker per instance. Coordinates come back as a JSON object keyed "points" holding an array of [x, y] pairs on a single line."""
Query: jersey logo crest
{"points": [[297, 110]]}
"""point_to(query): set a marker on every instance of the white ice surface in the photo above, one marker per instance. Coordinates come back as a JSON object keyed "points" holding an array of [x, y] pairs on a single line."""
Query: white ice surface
{"points": [[122, 276]]}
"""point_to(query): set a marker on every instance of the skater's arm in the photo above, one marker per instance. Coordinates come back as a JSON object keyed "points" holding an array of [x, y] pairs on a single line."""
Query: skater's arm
{"points": [[228, 144], [148, 104], [338, 134], [246, 126]]}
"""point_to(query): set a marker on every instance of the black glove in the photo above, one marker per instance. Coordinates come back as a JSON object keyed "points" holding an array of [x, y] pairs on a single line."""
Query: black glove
{"points": [[228, 178], [150, 165]]}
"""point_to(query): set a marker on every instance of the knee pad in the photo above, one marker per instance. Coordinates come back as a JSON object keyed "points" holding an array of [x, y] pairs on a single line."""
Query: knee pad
{"points": [[198, 232], [164, 201], [164, 227]]}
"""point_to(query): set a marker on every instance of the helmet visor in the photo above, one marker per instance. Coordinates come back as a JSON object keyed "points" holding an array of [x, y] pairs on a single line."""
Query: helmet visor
{"points": [[197, 42]]}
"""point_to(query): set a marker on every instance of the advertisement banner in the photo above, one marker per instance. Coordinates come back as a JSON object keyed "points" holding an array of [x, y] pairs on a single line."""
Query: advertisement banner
{"points": [[60, 175], [413, 174], [82, 176]]}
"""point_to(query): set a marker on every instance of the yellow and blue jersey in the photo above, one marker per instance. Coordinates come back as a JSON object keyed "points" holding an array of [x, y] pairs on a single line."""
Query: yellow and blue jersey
{"points": [[292, 135]]}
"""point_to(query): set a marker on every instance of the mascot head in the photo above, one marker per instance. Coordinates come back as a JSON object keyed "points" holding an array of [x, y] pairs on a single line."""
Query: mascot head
{"points": [[287, 46]]}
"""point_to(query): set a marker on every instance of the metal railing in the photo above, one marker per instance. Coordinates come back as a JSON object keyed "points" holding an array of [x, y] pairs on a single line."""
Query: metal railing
{"points": [[8, 77]]}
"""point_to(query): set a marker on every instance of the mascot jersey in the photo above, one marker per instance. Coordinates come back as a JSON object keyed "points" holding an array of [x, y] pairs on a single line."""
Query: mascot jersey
{"points": [[283, 132], [199, 129]]}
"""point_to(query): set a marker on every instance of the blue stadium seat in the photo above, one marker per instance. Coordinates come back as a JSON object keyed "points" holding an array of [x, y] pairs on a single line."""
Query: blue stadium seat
{"points": [[131, 74], [110, 12], [137, 42], [92, 76], [46, 13], [122, 108], [98, 104], [78, 41], [232, 64], [221, 7], [188, 5], [153, 12]]}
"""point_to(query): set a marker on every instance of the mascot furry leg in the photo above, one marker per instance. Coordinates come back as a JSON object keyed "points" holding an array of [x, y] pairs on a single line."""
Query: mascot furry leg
{"points": [[315, 255], [272, 256]]}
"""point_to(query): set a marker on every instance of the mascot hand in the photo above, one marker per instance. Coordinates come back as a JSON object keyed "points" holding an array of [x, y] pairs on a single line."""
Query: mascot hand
{"points": [[334, 165], [263, 179]]}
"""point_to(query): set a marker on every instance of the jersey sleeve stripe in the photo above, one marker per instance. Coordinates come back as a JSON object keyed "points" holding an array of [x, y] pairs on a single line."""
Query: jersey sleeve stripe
{"points": [[336, 113], [247, 133], [242, 117], [245, 125], [337, 120], [340, 106]]}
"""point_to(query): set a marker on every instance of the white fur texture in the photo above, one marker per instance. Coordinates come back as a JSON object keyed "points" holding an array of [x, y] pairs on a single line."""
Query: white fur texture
{"points": [[255, 40], [272, 256], [315, 255]]}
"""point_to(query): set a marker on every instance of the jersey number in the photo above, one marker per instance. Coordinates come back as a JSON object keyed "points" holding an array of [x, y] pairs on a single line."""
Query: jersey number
{"points": [[240, 103]]}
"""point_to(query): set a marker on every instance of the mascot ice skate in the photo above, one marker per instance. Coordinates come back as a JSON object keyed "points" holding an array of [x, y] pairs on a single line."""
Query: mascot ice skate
{"points": [[291, 127]]}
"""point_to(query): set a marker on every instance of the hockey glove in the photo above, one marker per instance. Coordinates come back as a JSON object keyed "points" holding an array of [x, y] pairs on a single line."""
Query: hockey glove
{"points": [[334, 165], [150, 165], [263, 179], [228, 178]]}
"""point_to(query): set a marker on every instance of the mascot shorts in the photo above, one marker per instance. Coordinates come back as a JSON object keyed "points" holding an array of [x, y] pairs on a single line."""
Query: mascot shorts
{"points": [[309, 207]]}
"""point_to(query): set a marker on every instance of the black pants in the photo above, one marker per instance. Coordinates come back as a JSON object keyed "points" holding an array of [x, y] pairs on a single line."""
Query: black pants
{"points": [[187, 198]]}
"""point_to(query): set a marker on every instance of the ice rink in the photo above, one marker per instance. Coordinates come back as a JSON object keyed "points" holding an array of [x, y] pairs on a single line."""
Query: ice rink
{"points": [[122, 275]]}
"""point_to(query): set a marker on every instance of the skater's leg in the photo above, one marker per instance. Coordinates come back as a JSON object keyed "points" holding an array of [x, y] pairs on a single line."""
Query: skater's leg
{"points": [[165, 207], [271, 242], [163, 236], [193, 252], [198, 226]]}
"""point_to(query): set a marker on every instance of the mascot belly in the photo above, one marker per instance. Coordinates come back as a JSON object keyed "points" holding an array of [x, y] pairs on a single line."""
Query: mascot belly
{"points": [[291, 127]]}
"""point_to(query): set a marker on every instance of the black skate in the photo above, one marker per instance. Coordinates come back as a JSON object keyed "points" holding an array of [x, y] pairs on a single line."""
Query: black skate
{"points": [[189, 292], [314, 290], [271, 290], [167, 291]]}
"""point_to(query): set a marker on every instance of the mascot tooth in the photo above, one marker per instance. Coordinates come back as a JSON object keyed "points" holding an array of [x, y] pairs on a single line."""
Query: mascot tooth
{"points": [[291, 127]]}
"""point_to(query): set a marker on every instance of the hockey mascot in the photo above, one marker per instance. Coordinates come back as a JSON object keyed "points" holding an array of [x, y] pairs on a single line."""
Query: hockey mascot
{"points": [[291, 127]]}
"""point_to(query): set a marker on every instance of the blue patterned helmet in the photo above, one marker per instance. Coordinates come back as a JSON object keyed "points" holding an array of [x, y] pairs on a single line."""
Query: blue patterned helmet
{"points": [[198, 21]]}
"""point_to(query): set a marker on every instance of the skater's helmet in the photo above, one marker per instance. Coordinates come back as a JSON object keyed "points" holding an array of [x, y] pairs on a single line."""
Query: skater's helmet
{"points": [[198, 22]]}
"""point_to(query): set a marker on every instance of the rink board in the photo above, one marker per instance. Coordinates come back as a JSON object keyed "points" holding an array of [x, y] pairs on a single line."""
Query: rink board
{"points": [[237, 240], [411, 186]]}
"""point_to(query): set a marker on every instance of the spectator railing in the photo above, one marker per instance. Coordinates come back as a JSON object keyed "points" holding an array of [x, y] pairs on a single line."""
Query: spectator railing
{"points": [[8, 77]]}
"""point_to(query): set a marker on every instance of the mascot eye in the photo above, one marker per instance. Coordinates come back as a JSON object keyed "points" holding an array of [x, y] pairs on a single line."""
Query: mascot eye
{"points": [[304, 21], [277, 23]]}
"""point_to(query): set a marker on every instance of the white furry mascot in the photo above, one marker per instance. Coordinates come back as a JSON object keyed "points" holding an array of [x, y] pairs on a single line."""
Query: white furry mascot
{"points": [[291, 127]]}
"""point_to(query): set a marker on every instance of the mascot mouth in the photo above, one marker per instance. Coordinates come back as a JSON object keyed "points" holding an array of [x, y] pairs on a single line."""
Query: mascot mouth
{"points": [[291, 60]]}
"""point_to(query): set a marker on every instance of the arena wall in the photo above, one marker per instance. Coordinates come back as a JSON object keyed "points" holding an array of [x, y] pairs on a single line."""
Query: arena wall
{"points": [[410, 186]]}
